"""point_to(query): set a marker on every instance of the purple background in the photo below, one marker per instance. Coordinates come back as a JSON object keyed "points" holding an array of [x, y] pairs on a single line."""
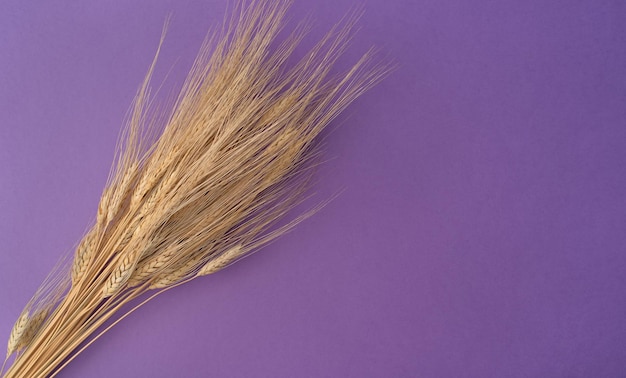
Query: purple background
{"points": [[481, 232]]}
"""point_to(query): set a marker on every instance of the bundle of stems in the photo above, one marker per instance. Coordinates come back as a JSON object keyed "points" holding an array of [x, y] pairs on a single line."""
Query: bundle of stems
{"points": [[198, 184]]}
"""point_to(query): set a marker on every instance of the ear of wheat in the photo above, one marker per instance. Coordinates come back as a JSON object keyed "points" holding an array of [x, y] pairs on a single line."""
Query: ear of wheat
{"points": [[235, 154]]}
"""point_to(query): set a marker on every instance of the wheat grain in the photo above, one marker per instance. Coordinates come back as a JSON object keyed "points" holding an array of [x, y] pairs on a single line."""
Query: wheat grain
{"points": [[222, 261], [149, 180], [105, 200], [285, 150], [177, 275], [84, 253], [25, 329], [32, 327], [17, 332], [151, 265], [120, 275], [121, 191]]}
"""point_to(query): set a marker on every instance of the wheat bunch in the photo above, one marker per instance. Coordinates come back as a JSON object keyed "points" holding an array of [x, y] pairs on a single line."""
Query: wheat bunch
{"points": [[233, 157]]}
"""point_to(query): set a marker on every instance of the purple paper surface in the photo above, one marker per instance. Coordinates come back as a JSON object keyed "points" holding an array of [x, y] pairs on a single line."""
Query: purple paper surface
{"points": [[481, 232]]}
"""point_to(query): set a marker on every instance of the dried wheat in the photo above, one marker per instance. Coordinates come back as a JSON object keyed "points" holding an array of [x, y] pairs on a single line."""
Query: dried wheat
{"points": [[233, 159]]}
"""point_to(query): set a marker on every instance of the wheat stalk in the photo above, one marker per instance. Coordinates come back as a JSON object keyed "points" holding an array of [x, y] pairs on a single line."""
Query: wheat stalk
{"points": [[234, 156]]}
